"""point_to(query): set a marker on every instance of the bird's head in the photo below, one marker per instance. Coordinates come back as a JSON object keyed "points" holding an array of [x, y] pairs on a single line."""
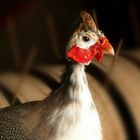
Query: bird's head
{"points": [[88, 42]]}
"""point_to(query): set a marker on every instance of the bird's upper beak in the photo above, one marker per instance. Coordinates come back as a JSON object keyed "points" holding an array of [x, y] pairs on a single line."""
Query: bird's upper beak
{"points": [[105, 46]]}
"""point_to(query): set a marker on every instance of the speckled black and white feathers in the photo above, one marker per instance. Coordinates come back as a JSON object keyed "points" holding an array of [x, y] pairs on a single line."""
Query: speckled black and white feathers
{"points": [[17, 122]]}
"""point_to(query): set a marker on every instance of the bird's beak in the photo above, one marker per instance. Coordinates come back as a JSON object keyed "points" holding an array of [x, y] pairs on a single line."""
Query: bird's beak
{"points": [[105, 46]]}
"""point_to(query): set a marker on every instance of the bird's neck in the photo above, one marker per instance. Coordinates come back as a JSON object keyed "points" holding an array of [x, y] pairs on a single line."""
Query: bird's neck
{"points": [[77, 85]]}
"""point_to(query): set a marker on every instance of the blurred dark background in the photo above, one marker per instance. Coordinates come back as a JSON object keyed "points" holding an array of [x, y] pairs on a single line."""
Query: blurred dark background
{"points": [[48, 24]]}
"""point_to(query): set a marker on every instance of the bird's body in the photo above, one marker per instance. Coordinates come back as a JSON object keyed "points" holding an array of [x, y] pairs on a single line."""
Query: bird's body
{"points": [[69, 113]]}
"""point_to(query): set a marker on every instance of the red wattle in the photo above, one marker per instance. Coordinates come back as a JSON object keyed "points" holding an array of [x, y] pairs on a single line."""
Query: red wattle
{"points": [[99, 57], [79, 55]]}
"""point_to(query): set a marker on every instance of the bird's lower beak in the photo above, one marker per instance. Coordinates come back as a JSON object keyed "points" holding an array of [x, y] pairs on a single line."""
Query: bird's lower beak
{"points": [[106, 46]]}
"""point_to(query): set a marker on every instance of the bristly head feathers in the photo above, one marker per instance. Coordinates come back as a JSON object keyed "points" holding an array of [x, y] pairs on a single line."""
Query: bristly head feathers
{"points": [[88, 42]]}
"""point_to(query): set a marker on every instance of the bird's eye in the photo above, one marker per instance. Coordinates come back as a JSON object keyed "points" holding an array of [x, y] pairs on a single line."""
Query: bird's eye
{"points": [[85, 38]]}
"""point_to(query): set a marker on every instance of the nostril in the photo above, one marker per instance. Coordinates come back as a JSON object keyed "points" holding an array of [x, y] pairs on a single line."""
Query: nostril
{"points": [[102, 41]]}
